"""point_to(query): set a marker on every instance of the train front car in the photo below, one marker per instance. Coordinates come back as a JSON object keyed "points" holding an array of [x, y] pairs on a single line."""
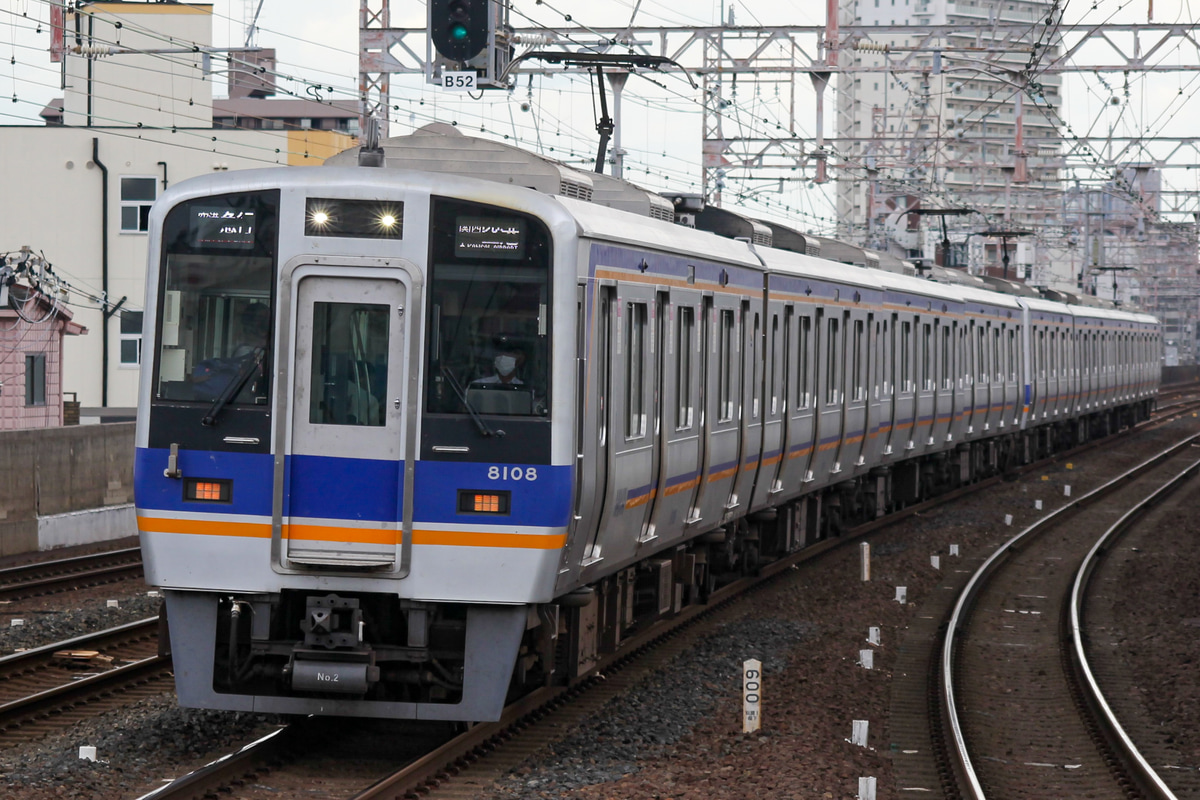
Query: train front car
{"points": [[353, 462]]}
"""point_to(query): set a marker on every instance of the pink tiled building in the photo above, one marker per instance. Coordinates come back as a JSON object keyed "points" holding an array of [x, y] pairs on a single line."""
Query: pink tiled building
{"points": [[31, 348]]}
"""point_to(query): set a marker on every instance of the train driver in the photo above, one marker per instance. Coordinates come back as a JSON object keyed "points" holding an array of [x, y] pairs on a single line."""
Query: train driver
{"points": [[507, 360]]}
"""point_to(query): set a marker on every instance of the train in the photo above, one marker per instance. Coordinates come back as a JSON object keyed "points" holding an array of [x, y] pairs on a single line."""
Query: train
{"points": [[442, 421]]}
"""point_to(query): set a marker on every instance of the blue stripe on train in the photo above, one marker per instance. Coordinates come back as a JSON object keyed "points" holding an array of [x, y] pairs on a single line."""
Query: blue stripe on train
{"points": [[355, 489]]}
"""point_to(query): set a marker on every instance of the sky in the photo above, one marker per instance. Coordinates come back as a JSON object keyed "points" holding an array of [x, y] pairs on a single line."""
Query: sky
{"points": [[317, 43]]}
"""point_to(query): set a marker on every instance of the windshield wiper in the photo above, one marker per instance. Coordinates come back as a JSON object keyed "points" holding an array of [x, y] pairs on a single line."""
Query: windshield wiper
{"points": [[234, 386], [462, 395]]}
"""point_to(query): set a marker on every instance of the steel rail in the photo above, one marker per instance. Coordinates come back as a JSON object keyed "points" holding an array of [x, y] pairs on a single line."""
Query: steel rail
{"points": [[69, 694], [967, 597], [14, 712], [68, 573], [197, 785], [1148, 779], [86, 639]]}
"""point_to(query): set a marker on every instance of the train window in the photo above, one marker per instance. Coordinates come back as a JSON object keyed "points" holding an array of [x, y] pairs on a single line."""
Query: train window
{"points": [[981, 367], [997, 368], [755, 378], [635, 370], [1013, 359], [858, 391], [215, 301], [803, 364], [926, 357], [789, 317], [883, 349], [349, 376], [725, 381], [906, 376], [774, 353], [832, 360], [604, 359], [1041, 354], [1055, 344], [684, 345], [489, 321], [947, 359]]}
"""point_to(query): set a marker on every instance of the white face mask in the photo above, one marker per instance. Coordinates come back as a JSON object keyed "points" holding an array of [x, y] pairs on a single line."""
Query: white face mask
{"points": [[505, 365]]}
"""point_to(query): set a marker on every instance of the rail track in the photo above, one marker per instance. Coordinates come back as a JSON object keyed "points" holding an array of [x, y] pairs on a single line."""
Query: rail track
{"points": [[1024, 717], [54, 686], [66, 574]]}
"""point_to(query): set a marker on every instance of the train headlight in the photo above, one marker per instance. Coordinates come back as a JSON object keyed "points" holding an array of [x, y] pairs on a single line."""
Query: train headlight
{"points": [[354, 219]]}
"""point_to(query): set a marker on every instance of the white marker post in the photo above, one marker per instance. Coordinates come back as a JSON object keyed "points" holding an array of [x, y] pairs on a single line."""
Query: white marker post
{"points": [[1008, 519], [873, 635], [901, 594], [1037, 504], [859, 735], [865, 550], [866, 658], [953, 549], [751, 695], [935, 562], [866, 789], [1067, 490]]}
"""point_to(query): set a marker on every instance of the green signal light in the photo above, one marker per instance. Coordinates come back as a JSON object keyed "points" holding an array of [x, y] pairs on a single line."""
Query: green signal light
{"points": [[458, 32]]}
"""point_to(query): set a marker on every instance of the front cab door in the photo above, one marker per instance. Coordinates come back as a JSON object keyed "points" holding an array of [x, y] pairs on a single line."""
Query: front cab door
{"points": [[343, 477]]}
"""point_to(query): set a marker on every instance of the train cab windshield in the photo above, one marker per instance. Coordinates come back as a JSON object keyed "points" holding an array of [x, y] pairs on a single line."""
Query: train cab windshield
{"points": [[216, 305], [489, 313]]}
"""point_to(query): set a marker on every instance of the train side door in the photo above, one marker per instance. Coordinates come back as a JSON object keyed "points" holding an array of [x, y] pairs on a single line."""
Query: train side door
{"points": [[679, 441], [879, 411], [720, 420], [923, 427], [942, 359], [829, 407], [592, 353], [799, 393], [854, 407], [773, 400], [346, 443], [632, 379]]}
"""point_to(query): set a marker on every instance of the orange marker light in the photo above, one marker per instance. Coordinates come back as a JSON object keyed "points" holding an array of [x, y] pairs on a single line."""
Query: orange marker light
{"points": [[487, 502], [207, 490], [473, 501]]}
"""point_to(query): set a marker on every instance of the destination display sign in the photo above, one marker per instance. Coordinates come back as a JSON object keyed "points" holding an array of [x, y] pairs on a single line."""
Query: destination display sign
{"points": [[222, 227], [489, 237]]}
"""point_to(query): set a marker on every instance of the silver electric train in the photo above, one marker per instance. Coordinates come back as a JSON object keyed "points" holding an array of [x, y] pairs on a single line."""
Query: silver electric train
{"points": [[415, 437]]}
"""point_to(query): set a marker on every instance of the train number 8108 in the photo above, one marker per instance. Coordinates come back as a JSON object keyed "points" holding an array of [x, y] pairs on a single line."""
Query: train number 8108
{"points": [[512, 473]]}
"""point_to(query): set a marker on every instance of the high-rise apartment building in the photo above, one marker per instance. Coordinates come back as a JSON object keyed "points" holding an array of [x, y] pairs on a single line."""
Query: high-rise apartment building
{"points": [[966, 123]]}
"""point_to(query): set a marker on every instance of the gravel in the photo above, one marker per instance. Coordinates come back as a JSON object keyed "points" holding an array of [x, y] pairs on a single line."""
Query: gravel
{"points": [[134, 746], [654, 717], [45, 626]]}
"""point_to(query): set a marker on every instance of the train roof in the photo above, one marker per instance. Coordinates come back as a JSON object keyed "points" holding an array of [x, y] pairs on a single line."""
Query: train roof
{"points": [[614, 225]]}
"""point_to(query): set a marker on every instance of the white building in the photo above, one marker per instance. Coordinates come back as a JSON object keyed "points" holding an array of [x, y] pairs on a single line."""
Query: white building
{"points": [[950, 132], [133, 123]]}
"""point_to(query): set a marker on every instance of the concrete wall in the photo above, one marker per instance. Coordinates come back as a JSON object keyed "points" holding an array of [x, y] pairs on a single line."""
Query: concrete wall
{"points": [[1183, 374], [55, 471]]}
